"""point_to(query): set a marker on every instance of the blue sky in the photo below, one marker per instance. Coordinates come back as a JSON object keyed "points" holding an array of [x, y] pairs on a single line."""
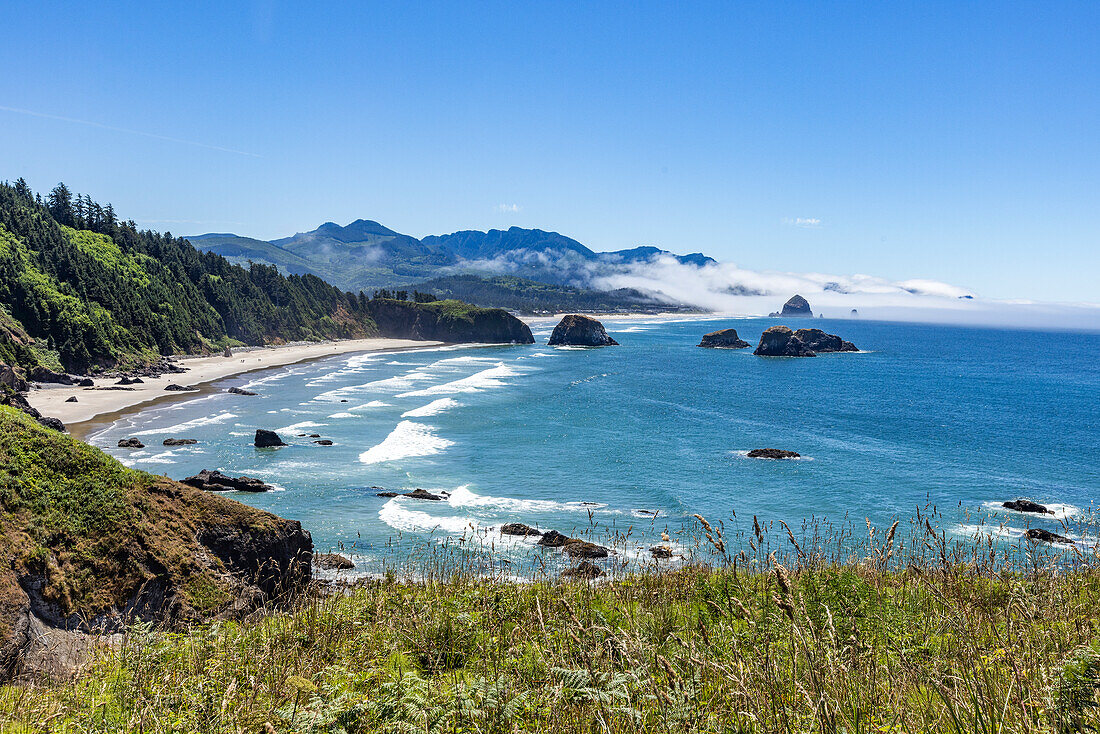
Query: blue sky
{"points": [[953, 141]]}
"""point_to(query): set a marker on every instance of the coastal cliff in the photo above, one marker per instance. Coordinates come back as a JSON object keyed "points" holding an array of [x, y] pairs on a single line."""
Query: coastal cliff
{"points": [[91, 546], [448, 321]]}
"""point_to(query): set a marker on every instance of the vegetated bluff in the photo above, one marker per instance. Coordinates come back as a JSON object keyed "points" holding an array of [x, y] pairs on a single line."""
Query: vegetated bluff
{"points": [[89, 545], [82, 290]]}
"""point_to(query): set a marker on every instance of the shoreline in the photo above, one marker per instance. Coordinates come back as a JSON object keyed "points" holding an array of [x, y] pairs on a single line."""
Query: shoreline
{"points": [[95, 406]]}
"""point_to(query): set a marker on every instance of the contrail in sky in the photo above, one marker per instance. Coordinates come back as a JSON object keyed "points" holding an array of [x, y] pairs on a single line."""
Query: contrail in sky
{"points": [[100, 125]]}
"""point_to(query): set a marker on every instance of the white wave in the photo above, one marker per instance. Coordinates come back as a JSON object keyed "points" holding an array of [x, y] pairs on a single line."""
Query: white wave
{"points": [[298, 426], [433, 408], [188, 425], [408, 439], [1058, 510], [484, 380], [464, 497], [399, 515], [371, 404], [344, 415]]}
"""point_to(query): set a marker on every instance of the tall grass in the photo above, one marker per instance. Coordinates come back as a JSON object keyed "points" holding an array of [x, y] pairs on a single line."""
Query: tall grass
{"points": [[846, 628]]}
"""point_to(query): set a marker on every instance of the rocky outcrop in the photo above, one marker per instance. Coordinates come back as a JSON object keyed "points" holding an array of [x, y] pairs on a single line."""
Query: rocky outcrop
{"points": [[518, 528], [323, 442], [422, 494], [332, 562], [661, 551], [553, 539], [1025, 505], [448, 321], [240, 391], [179, 441], [267, 439], [580, 331], [583, 570], [797, 307], [149, 550], [772, 454], [780, 341], [71, 399], [179, 388], [1045, 536], [574, 547], [86, 382], [819, 341], [12, 379], [130, 443], [42, 374], [724, 339], [19, 402], [215, 481]]}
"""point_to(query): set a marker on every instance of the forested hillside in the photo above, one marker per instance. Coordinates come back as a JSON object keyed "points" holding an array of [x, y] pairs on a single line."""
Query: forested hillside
{"points": [[82, 290]]}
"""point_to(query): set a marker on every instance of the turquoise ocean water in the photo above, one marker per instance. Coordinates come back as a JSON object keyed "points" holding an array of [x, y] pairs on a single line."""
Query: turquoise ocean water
{"points": [[598, 440]]}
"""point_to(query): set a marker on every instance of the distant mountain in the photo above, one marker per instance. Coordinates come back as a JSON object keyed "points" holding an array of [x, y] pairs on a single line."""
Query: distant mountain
{"points": [[365, 255]]}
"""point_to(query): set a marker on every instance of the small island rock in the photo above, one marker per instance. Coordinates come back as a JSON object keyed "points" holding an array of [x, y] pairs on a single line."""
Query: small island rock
{"points": [[553, 539], [724, 339], [581, 331], [1022, 505], [130, 443], [323, 442], [797, 307], [179, 441], [1045, 536], [583, 549], [422, 494], [240, 391], [332, 561], [661, 551], [266, 439], [518, 528], [772, 454], [819, 341], [780, 341]]}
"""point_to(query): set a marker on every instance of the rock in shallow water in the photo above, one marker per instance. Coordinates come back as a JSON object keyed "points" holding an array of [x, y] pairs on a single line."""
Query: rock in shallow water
{"points": [[332, 561], [1045, 536], [723, 339], [179, 441], [518, 528], [1022, 505], [580, 331], [661, 551], [267, 439], [772, 454], [583, 570], [215, 481], [780, 341], [130, 443], [422, 494], [240, 391]]}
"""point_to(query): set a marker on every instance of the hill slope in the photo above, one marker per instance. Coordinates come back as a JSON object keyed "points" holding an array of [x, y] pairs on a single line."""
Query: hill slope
{"points": [[91, 545]]}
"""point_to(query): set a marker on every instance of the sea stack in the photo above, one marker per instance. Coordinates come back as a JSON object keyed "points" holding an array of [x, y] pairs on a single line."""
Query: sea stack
{"points": [[267, 439], [819, 341], [797, 307], [724, 339], [780, 341], [580, 331]]}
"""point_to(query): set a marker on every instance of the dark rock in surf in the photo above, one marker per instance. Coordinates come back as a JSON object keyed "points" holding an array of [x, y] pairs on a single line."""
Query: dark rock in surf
{"points": [[215, 481], [583, 549], [387, 494], [1045, 536], [332, 562], [180, 388], [518, 528], [422, 494], [240, 391], [583, 570], [553, 539], [1023, 505], [661, 551], [267, 439], [130, 443], [323, 442], [580, 331], [723, 339], [797, 306], [780, 341], [315, 435], [772, 454], [819, 341], [179, 441]]}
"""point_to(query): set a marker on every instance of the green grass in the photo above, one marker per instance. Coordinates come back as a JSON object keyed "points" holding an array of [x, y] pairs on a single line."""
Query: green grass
{"points": [[831, 649]]}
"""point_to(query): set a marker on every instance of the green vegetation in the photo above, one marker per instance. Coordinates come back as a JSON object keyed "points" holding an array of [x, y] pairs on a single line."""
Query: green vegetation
{"points": [[832, 649], [531, 296], [83, 290]]}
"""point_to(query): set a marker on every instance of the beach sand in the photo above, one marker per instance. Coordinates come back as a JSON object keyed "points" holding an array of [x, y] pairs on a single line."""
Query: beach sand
{"points": [[51, 399]]}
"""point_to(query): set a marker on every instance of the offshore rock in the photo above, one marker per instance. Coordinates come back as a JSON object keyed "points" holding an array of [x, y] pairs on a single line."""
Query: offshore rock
{"points": [[772, 454], [580, 331], [583, 570], [179, 441], [553, 539], [267, 439], [240, 391], [422, 494], [724, 339], [797, 307], [661, 551], [780, 341], [130, 443], [1023, 505], [332, 562], [583, 549], [215, 481], [1045, 536], [819, 341], [518, 528]]}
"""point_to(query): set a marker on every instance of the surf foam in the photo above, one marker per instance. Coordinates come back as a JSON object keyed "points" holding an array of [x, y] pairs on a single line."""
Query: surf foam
{"points": [[408, 439]]}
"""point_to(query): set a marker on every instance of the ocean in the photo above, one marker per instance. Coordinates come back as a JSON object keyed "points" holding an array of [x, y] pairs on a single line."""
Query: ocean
{"points": [[622, 444]]}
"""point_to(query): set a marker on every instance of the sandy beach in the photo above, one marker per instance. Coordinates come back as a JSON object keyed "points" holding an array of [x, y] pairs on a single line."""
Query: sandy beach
{"points": [[51, 399]]}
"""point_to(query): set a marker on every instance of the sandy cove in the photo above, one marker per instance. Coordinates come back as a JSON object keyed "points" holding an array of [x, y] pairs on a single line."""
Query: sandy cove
{"points": [[51, 399]]}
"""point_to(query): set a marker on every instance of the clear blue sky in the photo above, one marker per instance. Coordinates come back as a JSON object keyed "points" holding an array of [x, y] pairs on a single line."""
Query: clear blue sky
{"points": [[954, 141]]}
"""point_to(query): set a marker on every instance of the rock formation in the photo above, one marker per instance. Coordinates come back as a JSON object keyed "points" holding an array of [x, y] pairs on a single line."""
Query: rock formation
{"points": [[518, 528], [422, 494], [332, 562], [180, 388], [1023, 505], [772, 454], [819, 341], [581, 331], [215, 481], [1045, 536], [130, 443], [448, 321], [19, 402], [323, 442], [661, 551], [179, 441], [724, 339], [240, 391], [780, 341], [266, 439], [583, 570], [797, 307]]}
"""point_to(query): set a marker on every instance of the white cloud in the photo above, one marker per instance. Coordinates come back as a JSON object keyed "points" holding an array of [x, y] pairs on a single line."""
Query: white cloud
{"points": [[804, 222], [508, 208]]}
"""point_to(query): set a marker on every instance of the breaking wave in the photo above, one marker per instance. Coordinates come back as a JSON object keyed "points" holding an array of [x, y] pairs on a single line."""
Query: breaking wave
{"points": [[408, 439]]}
